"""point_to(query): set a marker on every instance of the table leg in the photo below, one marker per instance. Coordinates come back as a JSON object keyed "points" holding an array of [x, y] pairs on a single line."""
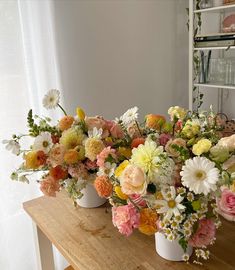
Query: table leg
{"points": [[44, 251]]}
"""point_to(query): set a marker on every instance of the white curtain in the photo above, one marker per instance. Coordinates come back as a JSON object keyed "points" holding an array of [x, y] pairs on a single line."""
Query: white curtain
{"points": [[28, 68]]}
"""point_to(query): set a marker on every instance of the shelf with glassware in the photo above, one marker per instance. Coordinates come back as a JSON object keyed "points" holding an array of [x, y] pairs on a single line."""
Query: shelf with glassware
{"points": [[194, 81]]}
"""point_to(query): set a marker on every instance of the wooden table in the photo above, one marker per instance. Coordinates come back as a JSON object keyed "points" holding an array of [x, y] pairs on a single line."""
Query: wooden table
{"points": [[88, 240]]}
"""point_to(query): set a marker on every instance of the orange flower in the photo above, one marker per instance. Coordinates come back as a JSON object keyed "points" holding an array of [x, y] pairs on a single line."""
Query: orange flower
{"points": [[71, 156], [148, 221], [58, 173], [155, 121], [103, 186], [136, 142], [66, 122], [35, 159], [49, 186]]}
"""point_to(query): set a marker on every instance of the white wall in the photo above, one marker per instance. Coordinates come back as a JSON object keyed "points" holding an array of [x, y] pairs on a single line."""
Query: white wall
{"points": [[117, 54]]}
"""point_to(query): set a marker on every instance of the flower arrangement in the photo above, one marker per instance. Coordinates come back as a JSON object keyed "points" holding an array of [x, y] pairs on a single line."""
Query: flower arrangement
{"points": [[169, 178], [65, 153]]}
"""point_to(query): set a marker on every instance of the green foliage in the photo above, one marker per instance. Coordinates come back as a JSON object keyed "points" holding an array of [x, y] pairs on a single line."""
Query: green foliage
{"points": [[35, 129], [183, 243]]}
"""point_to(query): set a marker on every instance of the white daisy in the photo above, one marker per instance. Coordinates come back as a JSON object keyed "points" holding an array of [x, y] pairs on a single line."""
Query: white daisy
{"points": [[13, 146], [108, 169], [43, 142], [171, 205], [129, 116], [200, 175], [51, 99], [95, 133]]}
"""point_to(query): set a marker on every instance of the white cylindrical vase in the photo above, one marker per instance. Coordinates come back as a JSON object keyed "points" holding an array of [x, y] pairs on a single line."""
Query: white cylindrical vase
{"points": [[170, 250], [90, 198]]}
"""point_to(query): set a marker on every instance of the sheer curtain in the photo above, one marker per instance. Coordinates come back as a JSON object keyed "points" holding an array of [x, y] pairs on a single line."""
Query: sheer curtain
{"points": [[28, 68]]}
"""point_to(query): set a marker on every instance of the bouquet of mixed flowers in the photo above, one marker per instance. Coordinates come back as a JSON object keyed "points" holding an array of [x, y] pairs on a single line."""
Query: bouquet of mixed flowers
{"points": [[170, 177], [66, 153]]}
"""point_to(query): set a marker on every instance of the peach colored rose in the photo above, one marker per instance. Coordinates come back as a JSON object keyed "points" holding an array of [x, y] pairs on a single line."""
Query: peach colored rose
{"points": [[56, 155], [49, 186], [204, 234], [229, 165], [170, 150], [226, 204], [133, 180], [116, 131], [93, 122], [125, 218], [228, 142]]}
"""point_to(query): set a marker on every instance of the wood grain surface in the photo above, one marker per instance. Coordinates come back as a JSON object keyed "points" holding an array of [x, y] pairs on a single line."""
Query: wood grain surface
{"points": [[88, 240]]}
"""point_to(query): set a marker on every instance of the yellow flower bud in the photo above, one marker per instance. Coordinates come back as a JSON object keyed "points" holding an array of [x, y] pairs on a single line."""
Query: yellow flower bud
{"points": [[80, 113]]}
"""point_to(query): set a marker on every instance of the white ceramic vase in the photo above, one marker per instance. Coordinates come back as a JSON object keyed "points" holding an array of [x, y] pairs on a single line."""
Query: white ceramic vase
{"points": [[168, 250], [90, 198]]}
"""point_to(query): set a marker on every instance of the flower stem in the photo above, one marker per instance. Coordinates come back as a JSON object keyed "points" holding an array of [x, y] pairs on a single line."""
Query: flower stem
{"points": [[138, 128], [62, 109]]}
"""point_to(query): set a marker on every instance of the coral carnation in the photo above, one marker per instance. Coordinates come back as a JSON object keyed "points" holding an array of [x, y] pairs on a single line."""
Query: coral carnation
{"points": [[49, 186], [103, 186], [58, 173], [105, 153]]}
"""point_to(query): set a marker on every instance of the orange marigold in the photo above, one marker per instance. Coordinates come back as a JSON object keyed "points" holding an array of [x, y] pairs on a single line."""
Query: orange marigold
{"points": [[66, 122], [71, 156], [58, 173], [148, 221], [103, 186]]}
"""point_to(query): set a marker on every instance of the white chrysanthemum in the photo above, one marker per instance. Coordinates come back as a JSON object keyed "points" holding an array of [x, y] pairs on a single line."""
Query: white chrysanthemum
{"points": [[51, 99], [12, 146], [43, 142], [108, 169], [95, 133], [200, 175], [129, 116], [171, 205], [153, 161]]}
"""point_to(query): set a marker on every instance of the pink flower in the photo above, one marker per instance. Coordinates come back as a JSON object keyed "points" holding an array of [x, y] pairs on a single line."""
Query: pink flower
{"points": [[104, 154], [49, 186], [99, 123], [204, 234], [78, 171], [226, 204], [125, 218], [164, 138], [116, 131]]}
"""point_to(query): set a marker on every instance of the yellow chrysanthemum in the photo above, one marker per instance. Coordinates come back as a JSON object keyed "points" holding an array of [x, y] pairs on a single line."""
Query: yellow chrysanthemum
{"points": [[93, 147], [148, 221], [121, 168], [81, 114], [120, 194], [202, 146], [190, 129], [72, 137], [123, 151], [31, 160], [145, 157]]}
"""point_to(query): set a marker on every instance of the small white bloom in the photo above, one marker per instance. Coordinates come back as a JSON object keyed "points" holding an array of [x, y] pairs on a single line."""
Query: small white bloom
{"points": [[12, 145], [95, 133], [171, 205], [43, 142], [51, 99], [185, 257], [108, 169], [129, 116], [200, 175], [190, 196]]}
